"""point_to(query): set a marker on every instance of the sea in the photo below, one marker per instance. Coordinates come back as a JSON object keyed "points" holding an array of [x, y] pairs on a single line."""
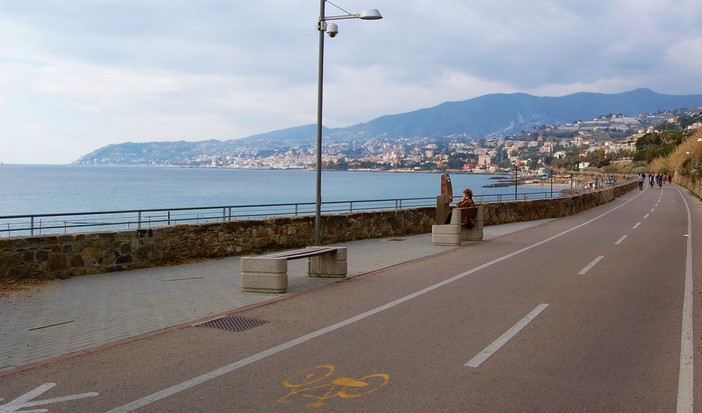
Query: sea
{"points": [[53, 189]]}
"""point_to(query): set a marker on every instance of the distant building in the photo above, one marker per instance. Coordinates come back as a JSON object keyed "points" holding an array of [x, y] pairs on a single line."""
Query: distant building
{"points": [[484, 160]]}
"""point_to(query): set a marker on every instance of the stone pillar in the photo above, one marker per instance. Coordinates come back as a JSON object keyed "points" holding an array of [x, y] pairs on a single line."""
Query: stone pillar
{"points": [[446, 235], [475, 233], [264, 275], [331, 265]]}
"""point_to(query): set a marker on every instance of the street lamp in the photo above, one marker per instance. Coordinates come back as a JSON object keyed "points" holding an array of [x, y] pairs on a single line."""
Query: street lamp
{"points": [[332, 30], [571, 183], [516, 168]]}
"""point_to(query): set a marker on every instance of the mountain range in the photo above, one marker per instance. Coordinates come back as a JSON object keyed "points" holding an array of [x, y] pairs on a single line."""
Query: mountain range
{"points": [[484, 116], [497, 114]]}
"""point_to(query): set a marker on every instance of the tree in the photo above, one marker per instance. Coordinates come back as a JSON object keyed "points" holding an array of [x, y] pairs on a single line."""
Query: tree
{"points": [[688, 120], [595, 157], [658, 144], [533, 163], [570, 162], [457, 160], [339, 165]]}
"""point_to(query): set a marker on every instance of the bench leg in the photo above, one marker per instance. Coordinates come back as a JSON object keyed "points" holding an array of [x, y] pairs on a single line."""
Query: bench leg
{"points": [[475, 233], [264, 275], [329, 265], [446, 235]]}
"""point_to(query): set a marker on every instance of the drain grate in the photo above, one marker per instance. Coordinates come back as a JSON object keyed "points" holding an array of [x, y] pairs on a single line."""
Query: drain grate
{"points": [[397, 239], [233, 323]]}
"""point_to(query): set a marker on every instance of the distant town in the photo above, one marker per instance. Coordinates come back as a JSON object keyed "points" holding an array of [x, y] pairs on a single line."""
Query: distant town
{"points": [[612, 137], [606, 140]]}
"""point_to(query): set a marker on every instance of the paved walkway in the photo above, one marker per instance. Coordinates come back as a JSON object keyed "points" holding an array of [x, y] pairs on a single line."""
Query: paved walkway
{"points": [[65, 316]]}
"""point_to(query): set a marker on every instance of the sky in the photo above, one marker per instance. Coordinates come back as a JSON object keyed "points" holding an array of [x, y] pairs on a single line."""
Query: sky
{"points": [[77, 75]]}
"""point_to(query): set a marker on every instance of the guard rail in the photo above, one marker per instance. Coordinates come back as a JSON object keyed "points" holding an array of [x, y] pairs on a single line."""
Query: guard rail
{"points": [[75, 222]]}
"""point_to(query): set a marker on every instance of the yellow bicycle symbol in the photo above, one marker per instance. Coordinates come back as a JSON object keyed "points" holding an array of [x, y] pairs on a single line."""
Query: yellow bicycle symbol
{"points": [[312, 383]]}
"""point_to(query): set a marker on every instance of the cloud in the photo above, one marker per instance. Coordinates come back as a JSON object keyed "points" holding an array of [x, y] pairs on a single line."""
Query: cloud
{"points": [[78, 75]]}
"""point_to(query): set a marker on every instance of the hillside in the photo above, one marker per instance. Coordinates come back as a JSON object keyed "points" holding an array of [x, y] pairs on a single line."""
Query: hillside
{"points": [[485, 116], [507, 114]]}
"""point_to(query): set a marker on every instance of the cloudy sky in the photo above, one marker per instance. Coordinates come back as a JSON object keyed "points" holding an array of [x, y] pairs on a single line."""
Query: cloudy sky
{"points": [[76, 75]]}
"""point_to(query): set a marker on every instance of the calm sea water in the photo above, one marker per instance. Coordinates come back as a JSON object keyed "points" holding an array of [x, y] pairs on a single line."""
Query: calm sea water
{"points": [[45, 189]]}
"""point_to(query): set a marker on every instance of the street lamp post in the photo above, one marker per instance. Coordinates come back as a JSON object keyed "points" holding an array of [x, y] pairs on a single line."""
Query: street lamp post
{"points": [[332, 30], [571, 183], [516, 168]]}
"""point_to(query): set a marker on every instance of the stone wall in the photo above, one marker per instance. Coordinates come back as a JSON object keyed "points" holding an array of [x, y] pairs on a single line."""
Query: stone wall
{"points": [[692, 182], [63, 256], [509, 212]]}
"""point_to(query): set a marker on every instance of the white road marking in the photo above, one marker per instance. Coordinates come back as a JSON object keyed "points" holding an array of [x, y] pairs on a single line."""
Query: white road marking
{"points": [[637, 225], [27, 400], [504, 338], [685, 376], [147, 400], [620, 240], [590, 265], [646, 216]]}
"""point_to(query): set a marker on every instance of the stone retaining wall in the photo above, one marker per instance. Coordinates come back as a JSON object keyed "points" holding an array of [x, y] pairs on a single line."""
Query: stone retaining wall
{"points": [[63, 256], [692, 182]]}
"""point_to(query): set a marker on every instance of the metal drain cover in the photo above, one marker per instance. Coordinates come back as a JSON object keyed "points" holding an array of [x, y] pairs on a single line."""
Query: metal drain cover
{"points": [[397, 239], [233, 323]]}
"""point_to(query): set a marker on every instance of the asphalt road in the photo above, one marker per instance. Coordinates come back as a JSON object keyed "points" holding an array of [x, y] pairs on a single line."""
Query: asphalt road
{"points": [[589, 313]]}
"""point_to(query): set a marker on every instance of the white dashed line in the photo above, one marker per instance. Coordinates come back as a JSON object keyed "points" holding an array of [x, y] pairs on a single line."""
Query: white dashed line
{"points": [[620, 240], [504, 338], [590, 265]]}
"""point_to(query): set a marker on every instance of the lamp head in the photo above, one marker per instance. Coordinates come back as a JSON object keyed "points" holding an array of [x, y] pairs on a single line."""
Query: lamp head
{"points": [[370, 14]]}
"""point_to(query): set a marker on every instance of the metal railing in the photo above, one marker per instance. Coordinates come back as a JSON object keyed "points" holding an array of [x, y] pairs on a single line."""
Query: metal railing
{"points": [[76, 222]]}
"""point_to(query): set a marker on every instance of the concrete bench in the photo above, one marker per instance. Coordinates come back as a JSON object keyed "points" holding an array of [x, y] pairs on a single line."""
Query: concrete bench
{"points": [[466, 225], [269, 273]]}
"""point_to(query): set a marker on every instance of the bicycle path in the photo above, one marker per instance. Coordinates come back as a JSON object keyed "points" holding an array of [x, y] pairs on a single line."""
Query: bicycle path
{"points": [[65, 317]]}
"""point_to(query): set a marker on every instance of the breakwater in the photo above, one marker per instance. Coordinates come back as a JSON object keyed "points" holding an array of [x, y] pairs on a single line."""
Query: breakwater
{"points": [[63, 256]]}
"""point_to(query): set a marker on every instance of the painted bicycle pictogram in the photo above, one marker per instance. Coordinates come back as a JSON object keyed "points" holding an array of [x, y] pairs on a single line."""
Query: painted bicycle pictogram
{"points": [[318, 384]]}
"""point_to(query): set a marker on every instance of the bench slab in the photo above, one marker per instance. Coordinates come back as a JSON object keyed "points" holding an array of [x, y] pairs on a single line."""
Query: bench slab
{"points": [[269, 273]]}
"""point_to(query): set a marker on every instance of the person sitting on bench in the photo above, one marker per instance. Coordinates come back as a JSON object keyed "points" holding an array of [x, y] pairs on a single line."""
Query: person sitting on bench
{"points": [[465, 202]]}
